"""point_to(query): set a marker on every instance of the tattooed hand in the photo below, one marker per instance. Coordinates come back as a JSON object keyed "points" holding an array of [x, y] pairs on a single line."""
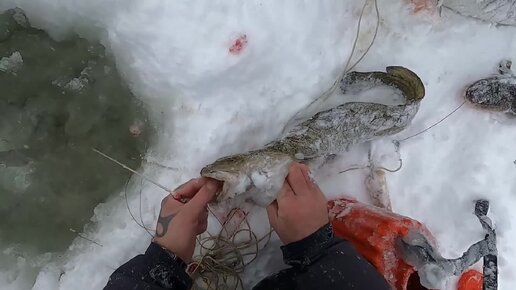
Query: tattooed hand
{"points": [[179, 223]]}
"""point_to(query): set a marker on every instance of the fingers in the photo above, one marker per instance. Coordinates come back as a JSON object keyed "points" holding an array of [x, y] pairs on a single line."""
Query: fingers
{"points": [[285, 192], [298, 179], [205, 195], [309, 180], [189, 188], [203, 222], [272, 212]]}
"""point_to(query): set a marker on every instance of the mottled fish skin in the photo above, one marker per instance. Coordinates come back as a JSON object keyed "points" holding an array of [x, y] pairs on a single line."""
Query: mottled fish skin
{"points": [[333, 131], [328, 132], [497, 93]]}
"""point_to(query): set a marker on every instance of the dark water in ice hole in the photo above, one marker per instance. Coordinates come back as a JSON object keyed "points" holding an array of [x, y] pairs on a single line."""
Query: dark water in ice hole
{"points": [[58, 99]]}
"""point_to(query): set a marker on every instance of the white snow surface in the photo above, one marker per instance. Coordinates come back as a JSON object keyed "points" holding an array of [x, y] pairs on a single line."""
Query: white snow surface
{"points": [[207, 103]]}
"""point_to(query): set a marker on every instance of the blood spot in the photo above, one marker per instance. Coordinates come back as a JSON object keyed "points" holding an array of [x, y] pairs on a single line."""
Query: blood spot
{"points": [[239, 44]]}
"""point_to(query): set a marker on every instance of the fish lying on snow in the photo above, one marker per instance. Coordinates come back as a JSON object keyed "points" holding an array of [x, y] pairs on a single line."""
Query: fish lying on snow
{"points": [[495, 93], [259, 175]]}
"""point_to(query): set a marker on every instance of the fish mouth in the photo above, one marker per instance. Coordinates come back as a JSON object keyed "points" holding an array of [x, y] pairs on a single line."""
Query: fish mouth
{"points": [[218, 175], [233, 183]]}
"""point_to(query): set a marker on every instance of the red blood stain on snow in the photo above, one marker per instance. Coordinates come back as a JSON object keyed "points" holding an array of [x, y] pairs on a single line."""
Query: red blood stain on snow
{"points": [[238, 45]]}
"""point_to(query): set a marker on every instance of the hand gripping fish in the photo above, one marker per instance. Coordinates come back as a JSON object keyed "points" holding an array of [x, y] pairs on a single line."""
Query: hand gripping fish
{"points": [[259, 175]]}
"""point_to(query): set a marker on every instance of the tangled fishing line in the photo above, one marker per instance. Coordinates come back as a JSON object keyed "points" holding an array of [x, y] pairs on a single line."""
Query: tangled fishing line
{"points": [[222, 257]]}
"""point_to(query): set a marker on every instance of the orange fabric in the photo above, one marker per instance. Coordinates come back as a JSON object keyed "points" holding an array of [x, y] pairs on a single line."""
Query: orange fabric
{"points": [[373, 232], [470, 280]]}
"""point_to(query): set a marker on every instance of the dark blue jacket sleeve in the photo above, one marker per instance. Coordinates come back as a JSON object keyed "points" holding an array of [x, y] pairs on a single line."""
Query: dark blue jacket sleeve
{"points": [[323, 261], [154, 270]]}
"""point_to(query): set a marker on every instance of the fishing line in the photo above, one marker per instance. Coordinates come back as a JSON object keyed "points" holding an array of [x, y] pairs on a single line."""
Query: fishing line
{"points": [[84, 237], [132, 170], [222, 257], [435, 124], [142, 225], [143, 177], [160, 165], [323, 97], [354, 167], [441, 6], [226, 257], [140, 206], [397, 145], [371, 165], [377, 26]]}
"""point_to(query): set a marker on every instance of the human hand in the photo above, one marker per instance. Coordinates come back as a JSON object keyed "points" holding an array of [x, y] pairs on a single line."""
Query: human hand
{"points": [[300, 208], [179, 223]]}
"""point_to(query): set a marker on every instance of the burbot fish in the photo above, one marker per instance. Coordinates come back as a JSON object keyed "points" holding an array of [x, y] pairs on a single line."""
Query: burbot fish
{"points": [[259, 175], [494, 93]]}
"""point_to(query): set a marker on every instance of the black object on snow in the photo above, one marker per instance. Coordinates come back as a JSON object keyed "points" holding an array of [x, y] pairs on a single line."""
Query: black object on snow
{"points": [[490, 260]]}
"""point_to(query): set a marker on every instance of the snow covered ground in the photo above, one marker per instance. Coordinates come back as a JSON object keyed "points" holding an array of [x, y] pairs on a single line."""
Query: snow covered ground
{"points": [[209, 99]]}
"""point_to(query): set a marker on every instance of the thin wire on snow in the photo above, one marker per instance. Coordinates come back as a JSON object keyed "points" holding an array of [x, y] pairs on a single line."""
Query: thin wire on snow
{"points": [[85, 238], [131, 170], [347, 68], [435, 124], [371, 164], [141, 223]]}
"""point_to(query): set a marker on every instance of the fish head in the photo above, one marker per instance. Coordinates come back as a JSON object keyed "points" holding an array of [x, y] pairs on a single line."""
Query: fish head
{"points": [[490, 94], [231, 170], [256, 176]]}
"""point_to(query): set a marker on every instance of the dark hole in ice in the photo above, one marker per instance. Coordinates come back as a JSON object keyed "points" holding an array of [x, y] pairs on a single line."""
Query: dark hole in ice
{"points": [[57, 100]]}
